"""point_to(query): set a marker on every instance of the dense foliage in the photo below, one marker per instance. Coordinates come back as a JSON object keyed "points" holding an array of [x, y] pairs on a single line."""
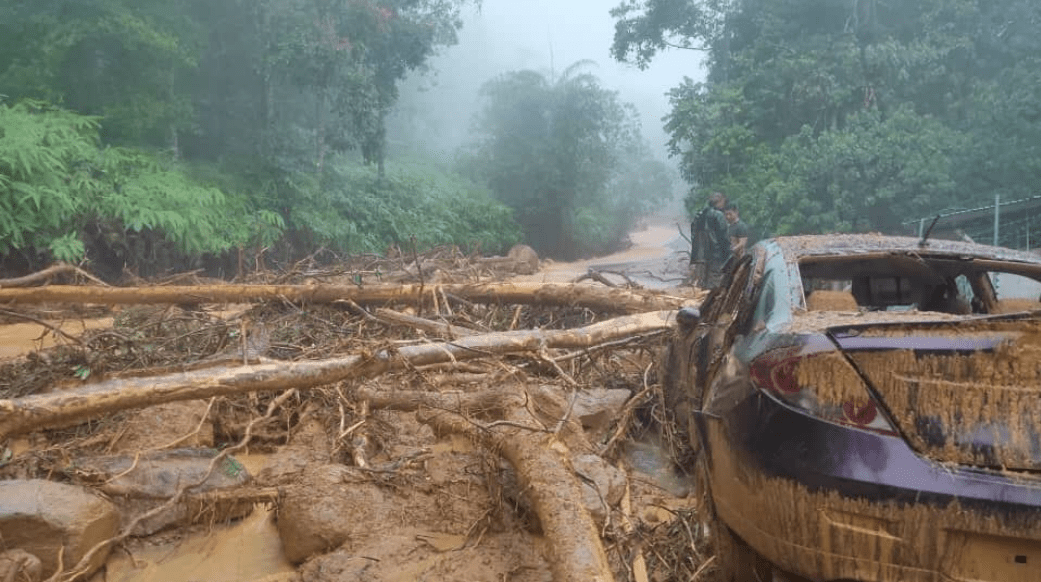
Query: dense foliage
{"points": [[822, 115], [191, 128], [58, 188], [566, 154]]}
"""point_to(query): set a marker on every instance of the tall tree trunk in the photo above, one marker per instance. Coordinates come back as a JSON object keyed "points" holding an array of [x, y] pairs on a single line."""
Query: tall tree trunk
{"points": [[319, 135]]}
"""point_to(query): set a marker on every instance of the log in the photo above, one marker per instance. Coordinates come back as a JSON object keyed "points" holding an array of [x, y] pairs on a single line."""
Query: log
{"points": [[542, 465], [435, 327], [59, 408], [559, 294], [45, 275]]}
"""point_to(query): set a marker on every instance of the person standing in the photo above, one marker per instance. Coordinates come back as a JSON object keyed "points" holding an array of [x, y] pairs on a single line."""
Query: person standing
{"points": [[709, 243], [737, 231]]}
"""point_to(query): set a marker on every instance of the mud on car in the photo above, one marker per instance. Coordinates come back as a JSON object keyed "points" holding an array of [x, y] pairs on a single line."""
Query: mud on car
{"points": [[865, 408]]}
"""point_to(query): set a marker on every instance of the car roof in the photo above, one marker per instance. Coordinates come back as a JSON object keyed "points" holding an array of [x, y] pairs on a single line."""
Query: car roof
{"points": [[795, 248]]}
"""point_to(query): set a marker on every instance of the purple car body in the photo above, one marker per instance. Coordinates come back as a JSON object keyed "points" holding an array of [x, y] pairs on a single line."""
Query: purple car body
{"points": [[867, 408]]}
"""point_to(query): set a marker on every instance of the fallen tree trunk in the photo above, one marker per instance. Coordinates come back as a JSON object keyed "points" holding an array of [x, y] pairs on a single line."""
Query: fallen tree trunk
{"points": [[600, 298], [541, 462], [45, 410], [45, 275]]}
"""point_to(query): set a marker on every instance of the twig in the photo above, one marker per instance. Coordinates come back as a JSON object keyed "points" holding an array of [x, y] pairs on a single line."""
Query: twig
{"points": [[393, 467], [623, 421], [46, 274], [198, 428], [55, 329], [702, 568]]}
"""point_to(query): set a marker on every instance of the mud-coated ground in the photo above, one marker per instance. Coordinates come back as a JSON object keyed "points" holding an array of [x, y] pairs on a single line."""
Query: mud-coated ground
{"points": [[348, 491]]}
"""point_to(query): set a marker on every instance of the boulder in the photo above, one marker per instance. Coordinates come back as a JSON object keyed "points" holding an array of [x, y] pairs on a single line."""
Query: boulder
{"points": [[309, 444], [44, 518], [602, 487], [322, 512], [526, 259], [163, 425], [598, 409], [142, 483]]}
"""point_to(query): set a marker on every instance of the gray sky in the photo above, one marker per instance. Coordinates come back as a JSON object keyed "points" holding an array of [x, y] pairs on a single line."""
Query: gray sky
{"points": [[543, 35]]}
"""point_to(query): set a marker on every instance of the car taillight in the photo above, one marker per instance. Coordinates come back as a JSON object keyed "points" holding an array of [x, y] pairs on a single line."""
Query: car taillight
{"points": [[818, 380]]}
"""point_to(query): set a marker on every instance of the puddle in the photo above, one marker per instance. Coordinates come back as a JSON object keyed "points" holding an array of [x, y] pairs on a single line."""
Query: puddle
{"points": [[244, 551], [657, 259], [650, 459], [18, 339]]}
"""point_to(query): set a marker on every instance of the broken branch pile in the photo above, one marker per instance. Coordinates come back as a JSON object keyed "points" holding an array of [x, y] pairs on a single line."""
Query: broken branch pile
{"points": [[460, 358]]}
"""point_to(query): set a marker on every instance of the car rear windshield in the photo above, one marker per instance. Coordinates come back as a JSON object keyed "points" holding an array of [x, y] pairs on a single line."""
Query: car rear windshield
{"points": [[904, 282]]}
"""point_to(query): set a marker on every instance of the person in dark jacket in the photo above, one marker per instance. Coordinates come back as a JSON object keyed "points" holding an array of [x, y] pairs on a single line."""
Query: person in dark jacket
{"points": [[709, 243], [738, 231]]}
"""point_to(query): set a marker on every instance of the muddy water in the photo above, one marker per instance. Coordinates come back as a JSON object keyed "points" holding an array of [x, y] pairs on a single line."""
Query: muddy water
{"points": [[657, 258], [18, 339], [248, 550]]}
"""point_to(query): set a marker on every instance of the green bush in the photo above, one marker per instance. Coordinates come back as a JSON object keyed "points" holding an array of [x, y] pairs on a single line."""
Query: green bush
{"points": [[57, 183], [353, 209], [64, 196]]}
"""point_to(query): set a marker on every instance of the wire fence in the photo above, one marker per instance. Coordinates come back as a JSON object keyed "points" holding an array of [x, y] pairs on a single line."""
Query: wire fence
{"points": [[1014, 224]]}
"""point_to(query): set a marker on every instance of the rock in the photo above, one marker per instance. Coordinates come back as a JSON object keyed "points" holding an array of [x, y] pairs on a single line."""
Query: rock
{"points": [[20, 566], [309, 444], [162, 425], [596, 409], [42, 517], [526, 258], [140, 484], [609, 485], [322, 512]]}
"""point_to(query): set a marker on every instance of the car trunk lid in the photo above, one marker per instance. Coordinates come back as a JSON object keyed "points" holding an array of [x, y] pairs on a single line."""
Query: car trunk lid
{"points": [[967, 392]]}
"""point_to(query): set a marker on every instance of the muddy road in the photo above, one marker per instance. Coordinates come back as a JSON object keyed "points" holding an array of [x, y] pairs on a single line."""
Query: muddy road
{"points": [[495, 466]]}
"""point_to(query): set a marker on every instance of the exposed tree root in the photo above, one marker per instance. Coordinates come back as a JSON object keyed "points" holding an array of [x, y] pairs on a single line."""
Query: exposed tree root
{"points": [[599, 298], [44, 410], [542, 465]]}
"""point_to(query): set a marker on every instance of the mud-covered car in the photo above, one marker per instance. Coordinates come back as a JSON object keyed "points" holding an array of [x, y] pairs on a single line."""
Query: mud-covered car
{"points": [[866, 408]]}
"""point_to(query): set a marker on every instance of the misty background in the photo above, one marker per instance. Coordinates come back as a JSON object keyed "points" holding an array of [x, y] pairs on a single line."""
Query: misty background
{"points": [[150, 136], [436, 108]]}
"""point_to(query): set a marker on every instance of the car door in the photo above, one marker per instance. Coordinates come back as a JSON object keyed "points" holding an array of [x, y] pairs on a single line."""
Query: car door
{"points": [[726, 319], [691, 353]]}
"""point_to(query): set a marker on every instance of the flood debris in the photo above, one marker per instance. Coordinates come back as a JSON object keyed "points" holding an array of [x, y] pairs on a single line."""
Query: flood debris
{"points": [[391, 425], [560, 294], [140, 483], [20, 566], [32, 412]]}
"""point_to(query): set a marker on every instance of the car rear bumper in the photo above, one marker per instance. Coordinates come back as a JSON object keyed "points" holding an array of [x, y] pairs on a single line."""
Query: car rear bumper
{"points": [[829, 502]]}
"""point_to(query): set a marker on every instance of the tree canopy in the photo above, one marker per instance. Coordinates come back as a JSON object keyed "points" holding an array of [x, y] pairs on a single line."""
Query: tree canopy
{"points": [[198, 126], [822, 115], [567, 155]]}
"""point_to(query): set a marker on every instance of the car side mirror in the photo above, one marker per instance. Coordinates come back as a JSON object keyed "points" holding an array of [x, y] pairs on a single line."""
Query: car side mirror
{"points": [[688, 317]]}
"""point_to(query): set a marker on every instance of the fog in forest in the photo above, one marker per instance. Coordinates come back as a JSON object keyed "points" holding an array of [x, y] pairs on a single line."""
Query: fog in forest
{"points": [[141, 134], [436, 107]]}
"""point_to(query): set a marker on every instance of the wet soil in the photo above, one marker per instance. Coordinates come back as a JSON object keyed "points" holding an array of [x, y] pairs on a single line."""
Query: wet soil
{"points": [[454, 514]]}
